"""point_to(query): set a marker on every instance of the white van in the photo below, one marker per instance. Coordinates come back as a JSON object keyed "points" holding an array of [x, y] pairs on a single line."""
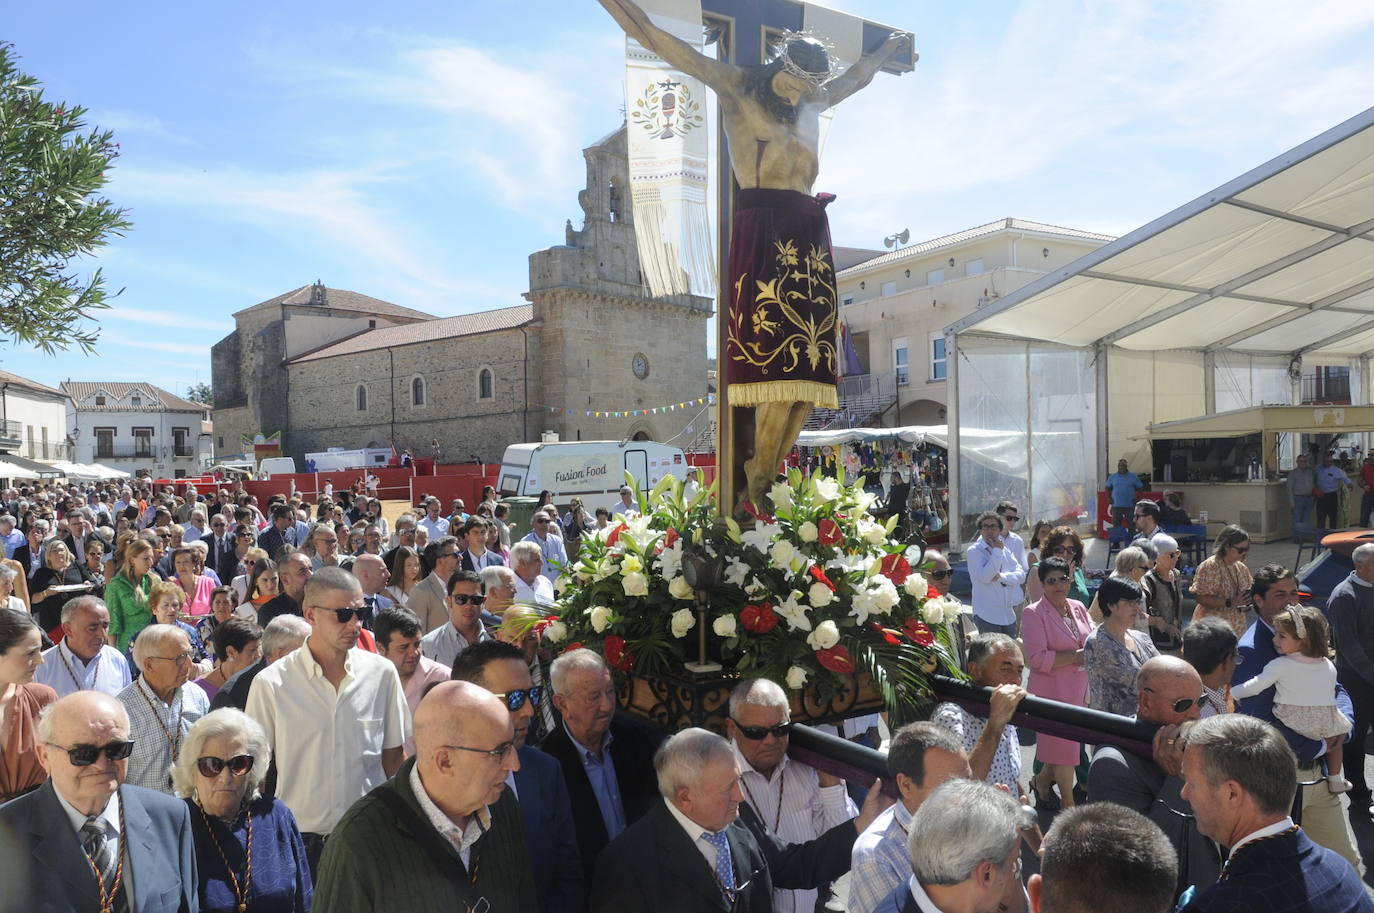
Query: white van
{"points": [[271, 466], [336, 458], [590, 470]]}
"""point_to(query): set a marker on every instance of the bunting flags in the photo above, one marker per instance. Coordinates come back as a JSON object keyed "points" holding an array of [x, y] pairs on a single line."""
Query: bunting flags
{"points": [[707, 400]]}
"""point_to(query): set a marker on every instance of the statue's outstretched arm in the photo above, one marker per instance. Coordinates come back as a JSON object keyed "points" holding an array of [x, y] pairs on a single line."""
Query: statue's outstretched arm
{"points": [[680, 54], [863, 70]]}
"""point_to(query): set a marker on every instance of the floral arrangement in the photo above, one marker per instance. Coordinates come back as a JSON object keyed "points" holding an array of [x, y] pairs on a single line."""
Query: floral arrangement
{"points": [[814, 592]]}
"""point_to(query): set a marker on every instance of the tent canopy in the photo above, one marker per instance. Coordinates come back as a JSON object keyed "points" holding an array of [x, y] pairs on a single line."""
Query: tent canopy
{"points": [[10, 470], [1294, 419], [1279, 261], [35, 469]]}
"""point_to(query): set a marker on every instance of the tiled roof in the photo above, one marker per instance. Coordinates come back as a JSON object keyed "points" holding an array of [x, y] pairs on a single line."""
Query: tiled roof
{"points": [[425, 331], [14, 380], [79, 390], [342, 300], [970, 234]]}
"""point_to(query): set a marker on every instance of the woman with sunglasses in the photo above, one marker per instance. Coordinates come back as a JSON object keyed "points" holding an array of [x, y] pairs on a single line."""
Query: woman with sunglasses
{"points": [[1221, 584], [1132, 563], [248, 848], [21, 701], [1164, 596], [1039, 535], [1053, 632], [1063, 542]]}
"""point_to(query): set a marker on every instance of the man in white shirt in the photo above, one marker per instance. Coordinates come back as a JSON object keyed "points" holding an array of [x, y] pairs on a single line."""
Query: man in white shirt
{"points": [[434, 524], [626, 506], [335, 716], [550, 544], [464, 627], [531, 587], [920, 757], [965, 849], [83, 661], [797, 802], [9, 536], [998, 576]]}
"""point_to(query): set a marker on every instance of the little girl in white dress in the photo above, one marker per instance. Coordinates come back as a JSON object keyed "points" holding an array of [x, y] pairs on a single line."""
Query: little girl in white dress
{"points": [[1304, 682]]}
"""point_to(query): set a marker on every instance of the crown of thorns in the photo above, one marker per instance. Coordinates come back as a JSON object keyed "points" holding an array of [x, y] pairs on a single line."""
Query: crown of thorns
{"points": [[782, 50]]}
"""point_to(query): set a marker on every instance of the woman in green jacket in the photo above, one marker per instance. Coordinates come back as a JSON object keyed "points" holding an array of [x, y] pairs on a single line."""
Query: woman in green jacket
{"points": [[126, 595]]}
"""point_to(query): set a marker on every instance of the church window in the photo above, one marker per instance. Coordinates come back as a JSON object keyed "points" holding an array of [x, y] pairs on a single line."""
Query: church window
{"points": [[484, 383], [362, 398], [417, 391]]}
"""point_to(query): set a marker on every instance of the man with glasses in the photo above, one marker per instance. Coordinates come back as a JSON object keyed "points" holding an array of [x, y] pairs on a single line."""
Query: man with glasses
{"points": [[998, 576], [531, 586], [464, 627], [335, 715], [538, 784], [86, 820], [435, 525], [607, 757], [797, 802], [326, 545], [1146, 518], [1170, 694], [281, 533], [444, 833], [162, 704], [545, 535], [1274, 588], [220, 543], [429, 599]]}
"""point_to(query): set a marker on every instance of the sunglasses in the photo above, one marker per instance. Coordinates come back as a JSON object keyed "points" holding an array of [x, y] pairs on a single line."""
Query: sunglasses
{"points": [[344, 615], [211, 766], [759, 733], [1183, 704], [940, 575], [466, 598], [86, 755], [516, 699]]}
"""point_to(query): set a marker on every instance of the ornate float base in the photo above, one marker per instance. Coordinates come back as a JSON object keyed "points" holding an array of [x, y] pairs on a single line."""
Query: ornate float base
{"points": [[674, 702]]}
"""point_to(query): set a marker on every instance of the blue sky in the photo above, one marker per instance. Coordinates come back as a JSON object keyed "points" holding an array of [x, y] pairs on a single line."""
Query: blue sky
{"points": [[420, 151]]}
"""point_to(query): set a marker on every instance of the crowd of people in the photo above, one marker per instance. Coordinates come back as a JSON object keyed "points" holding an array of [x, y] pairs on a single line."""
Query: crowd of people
{"points": [[304, 707]]}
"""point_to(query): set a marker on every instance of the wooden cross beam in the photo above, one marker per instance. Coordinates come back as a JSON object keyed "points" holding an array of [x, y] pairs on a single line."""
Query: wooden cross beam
{"points": [[745, 29]]}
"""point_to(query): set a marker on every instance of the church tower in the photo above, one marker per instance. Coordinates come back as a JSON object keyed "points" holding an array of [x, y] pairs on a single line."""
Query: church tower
{"points": [[604, 345]]}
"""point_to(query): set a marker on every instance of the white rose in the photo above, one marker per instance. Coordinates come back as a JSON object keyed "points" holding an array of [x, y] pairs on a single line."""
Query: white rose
{"points": [[635, 585], [782, 553], [885, 596], [827, 490], [917, 586], [953, 608], [556, 632], [807, 532], [781, 495], [796, 677], [872, 533], [683, 620], [933, 612], [600, 618], [826, 635], [820, 595], [724, 625], [680, 589]]}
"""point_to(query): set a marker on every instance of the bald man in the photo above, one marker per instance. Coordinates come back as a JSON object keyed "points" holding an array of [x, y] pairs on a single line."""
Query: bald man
{"points": [[444, 833], [81, 817], [1170, 695]]}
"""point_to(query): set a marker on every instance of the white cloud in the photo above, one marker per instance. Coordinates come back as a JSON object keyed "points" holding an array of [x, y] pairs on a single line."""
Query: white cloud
{"points": [[164, 319], [108, 337], [125, 122]]}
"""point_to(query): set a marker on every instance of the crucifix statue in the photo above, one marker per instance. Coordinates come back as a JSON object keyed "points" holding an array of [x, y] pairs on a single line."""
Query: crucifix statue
{"points": [[777, 348]]}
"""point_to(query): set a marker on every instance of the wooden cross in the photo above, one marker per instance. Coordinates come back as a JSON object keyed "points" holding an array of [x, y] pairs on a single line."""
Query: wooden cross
{"points": [[743, 30]]}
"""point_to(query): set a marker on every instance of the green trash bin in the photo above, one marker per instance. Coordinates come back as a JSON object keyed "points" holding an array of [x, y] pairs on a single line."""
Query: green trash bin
{"points": [[521, 512]]}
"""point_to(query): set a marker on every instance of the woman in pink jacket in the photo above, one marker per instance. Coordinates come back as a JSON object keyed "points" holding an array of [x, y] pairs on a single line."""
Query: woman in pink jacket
{"points": [[1053, 632]]}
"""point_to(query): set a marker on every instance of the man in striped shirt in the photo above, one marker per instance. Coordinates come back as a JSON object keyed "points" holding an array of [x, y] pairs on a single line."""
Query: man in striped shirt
{"points": [[797, 802]]}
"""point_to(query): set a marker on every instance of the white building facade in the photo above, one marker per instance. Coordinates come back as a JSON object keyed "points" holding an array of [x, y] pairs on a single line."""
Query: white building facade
{"points": [[33, 419], [138, 428]]}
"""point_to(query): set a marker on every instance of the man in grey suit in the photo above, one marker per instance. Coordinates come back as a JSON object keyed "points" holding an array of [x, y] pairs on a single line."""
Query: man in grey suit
{"points": [[82, 821]]}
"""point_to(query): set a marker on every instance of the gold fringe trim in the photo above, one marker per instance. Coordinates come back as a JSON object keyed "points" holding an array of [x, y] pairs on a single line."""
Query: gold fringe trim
{"points": [[784, 391]]}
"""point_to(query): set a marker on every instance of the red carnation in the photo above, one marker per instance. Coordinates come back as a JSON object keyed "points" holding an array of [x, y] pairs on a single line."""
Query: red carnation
{"points": [[758, 618], [836, 659], [815, 571], [919, 632], [830, 532], [616, 657], [614, 536], [896, 569]]}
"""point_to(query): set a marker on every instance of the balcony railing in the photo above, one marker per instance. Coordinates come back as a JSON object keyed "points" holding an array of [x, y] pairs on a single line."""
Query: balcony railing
{"points": [[11, 434], [38, 450], [124, 452]]}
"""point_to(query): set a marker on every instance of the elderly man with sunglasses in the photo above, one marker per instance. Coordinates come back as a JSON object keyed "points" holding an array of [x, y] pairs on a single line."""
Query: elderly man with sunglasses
{"points": [[335, 715], [84, 840], [795, 800], [538, 784], [466, 625], [1170, 695]]}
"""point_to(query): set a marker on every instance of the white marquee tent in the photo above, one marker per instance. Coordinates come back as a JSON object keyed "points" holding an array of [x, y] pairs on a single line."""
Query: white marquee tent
{"points": [[1213, 307]]}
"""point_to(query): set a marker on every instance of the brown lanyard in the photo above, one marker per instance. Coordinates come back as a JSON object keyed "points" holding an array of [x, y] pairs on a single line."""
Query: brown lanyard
{"points": [[241, 889], [107, 900]]}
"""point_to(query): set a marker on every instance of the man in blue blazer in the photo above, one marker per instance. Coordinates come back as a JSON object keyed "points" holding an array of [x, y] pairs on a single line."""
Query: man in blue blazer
{"points": [[539, 786], [51, 838], [1240, 778], [1274, 589]]}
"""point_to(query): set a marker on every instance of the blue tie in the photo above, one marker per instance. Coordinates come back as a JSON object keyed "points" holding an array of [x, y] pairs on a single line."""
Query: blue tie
{"points": [[725, 869]]}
